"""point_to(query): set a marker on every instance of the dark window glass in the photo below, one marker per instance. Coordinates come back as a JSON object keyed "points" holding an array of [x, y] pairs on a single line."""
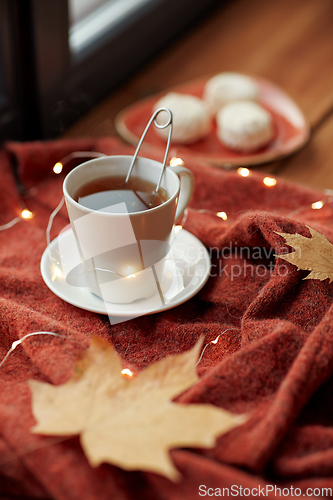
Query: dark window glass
{"points": [[59, 57]]}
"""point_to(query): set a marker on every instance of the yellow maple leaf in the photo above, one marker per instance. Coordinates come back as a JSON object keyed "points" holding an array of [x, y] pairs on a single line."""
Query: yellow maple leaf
{"points": [[131, 423], [310, 254]]}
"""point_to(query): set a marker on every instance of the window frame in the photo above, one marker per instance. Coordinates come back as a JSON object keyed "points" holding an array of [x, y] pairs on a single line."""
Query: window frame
{"points": [[11, 119], [60, 88]]}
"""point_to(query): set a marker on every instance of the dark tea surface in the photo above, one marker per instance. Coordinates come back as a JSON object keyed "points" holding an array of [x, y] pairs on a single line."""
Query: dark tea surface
{"points": [[138, 194]]}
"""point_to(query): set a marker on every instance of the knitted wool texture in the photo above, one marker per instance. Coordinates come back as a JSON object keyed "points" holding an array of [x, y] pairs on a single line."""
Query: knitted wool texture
{"points": [[274, 362]]}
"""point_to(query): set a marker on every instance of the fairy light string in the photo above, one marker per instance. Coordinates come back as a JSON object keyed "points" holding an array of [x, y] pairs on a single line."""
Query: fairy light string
{"points": [[125, 372], [215, 341], [26, 214], [50, 222], [19, 341], [58, 167], [10, 224], [269, 182]]}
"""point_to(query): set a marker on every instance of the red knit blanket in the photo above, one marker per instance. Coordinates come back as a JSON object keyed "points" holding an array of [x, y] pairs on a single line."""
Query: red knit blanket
{"points": [[274, 362]]}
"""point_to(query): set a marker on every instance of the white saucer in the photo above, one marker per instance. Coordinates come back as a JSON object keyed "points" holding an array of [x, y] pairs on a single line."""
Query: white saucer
{"points": [[193, 268]]}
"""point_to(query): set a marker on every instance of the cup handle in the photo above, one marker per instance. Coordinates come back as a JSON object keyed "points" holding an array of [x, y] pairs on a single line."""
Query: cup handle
{"points": [[186, 188]]}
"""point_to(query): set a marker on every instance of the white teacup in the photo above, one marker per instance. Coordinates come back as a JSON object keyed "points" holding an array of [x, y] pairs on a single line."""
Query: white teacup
{"points": [[115, 245]]}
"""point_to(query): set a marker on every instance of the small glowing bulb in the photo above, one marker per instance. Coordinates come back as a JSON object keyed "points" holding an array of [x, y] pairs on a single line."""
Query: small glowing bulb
{"points": [[177, 229], [244, 172], [317, 205], [176, 162], [26, 214], [222, 215], [131, 276], [127, 371], [15, 344], [215, 341], [269, 181], [57, 273], [58, 168]]}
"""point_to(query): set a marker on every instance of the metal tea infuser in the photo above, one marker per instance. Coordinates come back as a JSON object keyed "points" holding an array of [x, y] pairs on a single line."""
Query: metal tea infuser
{"points": [[157, 125], [87, 277]]}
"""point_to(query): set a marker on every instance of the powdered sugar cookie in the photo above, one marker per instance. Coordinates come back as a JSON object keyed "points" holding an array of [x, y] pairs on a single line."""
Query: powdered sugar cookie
{"points": [[244, 126], [227, 87], [191, 117]]}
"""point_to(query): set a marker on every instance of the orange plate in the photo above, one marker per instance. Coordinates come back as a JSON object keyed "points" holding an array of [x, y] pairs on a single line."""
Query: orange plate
{"points": [[292, 128]]}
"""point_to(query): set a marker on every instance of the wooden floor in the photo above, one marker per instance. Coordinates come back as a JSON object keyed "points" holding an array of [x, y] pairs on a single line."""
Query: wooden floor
{"points": [[288, 41]]}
